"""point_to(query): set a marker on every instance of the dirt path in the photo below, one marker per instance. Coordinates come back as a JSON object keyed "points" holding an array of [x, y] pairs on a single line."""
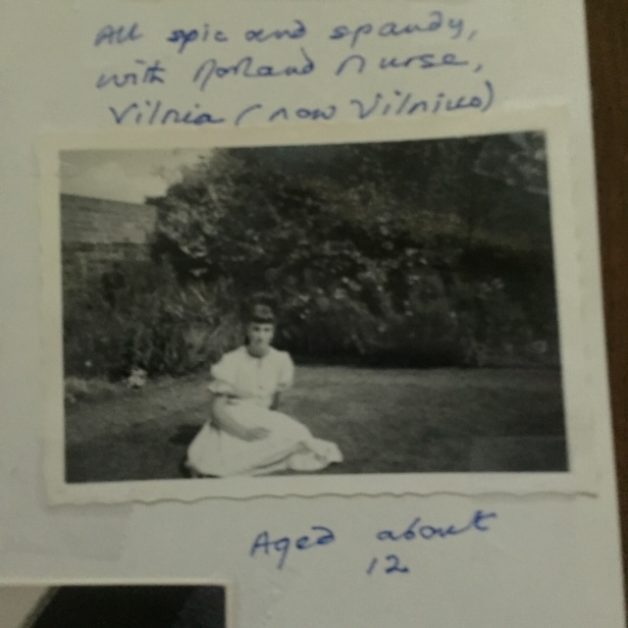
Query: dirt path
{"points": [[383, 420]]}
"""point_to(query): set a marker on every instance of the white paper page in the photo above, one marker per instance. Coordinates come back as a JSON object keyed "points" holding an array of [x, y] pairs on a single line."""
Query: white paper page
{"points": [[483, 546]]}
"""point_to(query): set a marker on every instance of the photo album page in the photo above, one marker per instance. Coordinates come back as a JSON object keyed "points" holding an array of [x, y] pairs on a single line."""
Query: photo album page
{"points": [[302, 320]]}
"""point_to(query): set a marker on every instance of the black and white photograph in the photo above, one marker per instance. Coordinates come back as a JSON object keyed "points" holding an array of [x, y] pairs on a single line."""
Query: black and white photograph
{"points": [[305, 310], [116, 606]]}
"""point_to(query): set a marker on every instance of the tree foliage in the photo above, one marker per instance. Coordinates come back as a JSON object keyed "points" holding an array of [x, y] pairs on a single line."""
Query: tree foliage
{"points": [[430, 252]]}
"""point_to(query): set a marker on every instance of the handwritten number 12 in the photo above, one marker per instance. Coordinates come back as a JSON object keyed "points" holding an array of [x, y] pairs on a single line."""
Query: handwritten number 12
{"points": [[393, 565]]}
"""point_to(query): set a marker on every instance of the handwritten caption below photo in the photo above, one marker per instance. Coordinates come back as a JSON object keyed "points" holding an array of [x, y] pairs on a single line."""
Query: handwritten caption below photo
{"points": [[320, 538]]}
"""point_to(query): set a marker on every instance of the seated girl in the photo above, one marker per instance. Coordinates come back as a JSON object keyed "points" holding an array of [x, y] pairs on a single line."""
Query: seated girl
{"points": [[246, 435]]}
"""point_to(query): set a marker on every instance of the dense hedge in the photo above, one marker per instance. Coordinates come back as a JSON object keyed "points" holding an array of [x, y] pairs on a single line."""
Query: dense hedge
{"points": [[149, 321]]}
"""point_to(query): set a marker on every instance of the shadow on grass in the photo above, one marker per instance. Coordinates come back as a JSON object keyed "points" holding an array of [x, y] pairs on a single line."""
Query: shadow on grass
{"points": [[184, 434]]}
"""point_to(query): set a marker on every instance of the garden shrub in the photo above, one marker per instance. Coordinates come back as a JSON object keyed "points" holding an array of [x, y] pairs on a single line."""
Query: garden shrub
{"points": [[151, 322]]}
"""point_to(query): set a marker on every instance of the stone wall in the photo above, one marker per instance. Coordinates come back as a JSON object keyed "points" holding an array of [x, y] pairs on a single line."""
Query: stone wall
{"points": [[96, 234]]}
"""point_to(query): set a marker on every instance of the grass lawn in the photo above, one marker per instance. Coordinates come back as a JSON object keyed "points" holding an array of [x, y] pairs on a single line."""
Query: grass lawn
{"points": [[383, 420]]}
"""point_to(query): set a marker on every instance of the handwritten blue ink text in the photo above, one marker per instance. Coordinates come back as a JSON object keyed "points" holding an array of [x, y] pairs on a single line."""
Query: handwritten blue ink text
{"points": [[113, 35], [261, 36], [248, 67], [155, 113], [146, 74], [183, 37], [393, 565], [419, 530], [423, 61], [262, 543], [397, 103], [436, 22]]}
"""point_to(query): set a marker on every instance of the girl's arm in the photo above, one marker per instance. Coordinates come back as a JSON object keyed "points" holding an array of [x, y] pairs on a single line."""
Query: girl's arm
{"points": [[223, 417]]}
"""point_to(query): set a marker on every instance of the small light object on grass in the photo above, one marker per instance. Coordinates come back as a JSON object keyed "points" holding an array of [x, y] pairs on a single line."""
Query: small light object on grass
{"points": [[137, 378]]}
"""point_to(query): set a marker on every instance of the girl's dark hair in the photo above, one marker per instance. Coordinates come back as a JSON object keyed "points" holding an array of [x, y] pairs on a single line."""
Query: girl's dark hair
{"points": [[260, 312]]}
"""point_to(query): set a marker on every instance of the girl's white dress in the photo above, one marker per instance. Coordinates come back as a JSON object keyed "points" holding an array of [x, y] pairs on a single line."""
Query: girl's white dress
{"points": [[251, 384]]}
